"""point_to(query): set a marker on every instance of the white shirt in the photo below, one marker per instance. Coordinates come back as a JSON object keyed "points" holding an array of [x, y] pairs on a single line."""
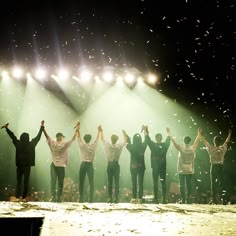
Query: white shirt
{"points": [[186, 158], [217, 154], [113, 151], [59, 151], [87, 150]]}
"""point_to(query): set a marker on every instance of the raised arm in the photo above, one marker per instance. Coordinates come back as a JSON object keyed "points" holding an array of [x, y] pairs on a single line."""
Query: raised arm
{"points": [[199, 132], [98, 133], [124, 136], [102, 135], [45, 133], [77, 133], [38, 136], [9, 132], [145, 130], [78, 130], [203, 139], [177, 146], [228, 137]]}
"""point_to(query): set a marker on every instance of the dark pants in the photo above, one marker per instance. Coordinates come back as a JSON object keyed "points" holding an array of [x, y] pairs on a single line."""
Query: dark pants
{"points": [[159, 171], [217, 176], [113, 172], [137, 177], [86, 168], [22, 173], [57, 173], [185, 180]]}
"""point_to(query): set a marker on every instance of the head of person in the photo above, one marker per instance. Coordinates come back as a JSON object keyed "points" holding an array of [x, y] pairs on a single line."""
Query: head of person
{"points": [[187, 139], [217, 140], [60, 136], [114, 138], [158, 137], [87, 138], [137, 139], [24, 137]]}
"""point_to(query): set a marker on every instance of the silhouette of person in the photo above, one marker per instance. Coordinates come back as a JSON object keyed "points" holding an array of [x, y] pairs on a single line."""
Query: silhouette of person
{"points": [[158, 162], [217, 153], [185, 164], [87, 155], [113, 152], [137, 150], [24, 159]]}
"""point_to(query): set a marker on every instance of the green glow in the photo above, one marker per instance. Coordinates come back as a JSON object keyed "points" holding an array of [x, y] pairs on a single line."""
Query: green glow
{"points": [[115, 107]]}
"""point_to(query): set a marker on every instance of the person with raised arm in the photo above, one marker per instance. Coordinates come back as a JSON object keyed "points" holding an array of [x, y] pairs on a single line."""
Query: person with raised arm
{"points": [[87, 156], [159, 150], [113, 152], [185, 164], [216, 154], [137, 150], [24, 159], [59, 153]]}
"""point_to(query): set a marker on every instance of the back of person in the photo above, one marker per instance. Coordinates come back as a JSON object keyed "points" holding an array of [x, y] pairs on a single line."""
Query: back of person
{"points": [[186, 160], [217, 154], [24, 154], [113, 151]]}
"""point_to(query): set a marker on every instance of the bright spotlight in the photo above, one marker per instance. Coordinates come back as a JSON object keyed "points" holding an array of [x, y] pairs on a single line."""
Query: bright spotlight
{"points": [[40, 73], [5, 74], [152, 79], [63, 74], [85, 75], [17, 72], [130, 79], [108, 77]]}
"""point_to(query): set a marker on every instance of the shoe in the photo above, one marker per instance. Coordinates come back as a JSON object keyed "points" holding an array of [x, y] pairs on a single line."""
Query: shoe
{"points": [[182, 201], [53, 199], [139, 201], [109, 200], [212, 202], [116, 200], [155, 201], [15, 199], [133, 200], [189, 201], [164, 201]]}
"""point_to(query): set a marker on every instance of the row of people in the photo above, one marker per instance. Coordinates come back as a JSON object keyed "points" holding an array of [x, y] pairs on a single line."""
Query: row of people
{"points": [[25, 158]]}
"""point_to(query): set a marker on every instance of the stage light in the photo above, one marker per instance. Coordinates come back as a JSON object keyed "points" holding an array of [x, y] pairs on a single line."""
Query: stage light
{"points": [[108, 77], [152, 79], [17, 72], [85, 75], [130, 79], [40, 73], [63, 74], [5, 74], [97, 79]]}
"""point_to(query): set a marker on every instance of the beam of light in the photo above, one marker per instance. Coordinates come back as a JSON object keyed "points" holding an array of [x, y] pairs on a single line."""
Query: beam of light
{"points": [[63, 74], [40, 73], [114, 107], [129, 78], [5, 75], [17, 72], [152, 79], [39, 104], [108, 77], [85, 75]]}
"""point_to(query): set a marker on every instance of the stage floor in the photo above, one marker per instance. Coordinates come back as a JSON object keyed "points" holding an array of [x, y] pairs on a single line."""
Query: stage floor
{"points": [[73, 219]]}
